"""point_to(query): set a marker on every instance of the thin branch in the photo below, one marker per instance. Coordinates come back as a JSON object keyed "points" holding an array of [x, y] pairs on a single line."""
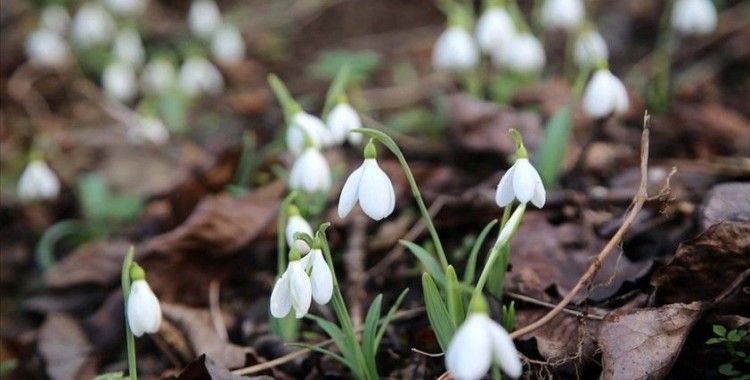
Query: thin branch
{"points": [[215, 310], [549, 305]]}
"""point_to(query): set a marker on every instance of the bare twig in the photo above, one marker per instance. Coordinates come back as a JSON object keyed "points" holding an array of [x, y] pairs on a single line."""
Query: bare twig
{"points": [[215, 310], [640, 198], [535, 301]]}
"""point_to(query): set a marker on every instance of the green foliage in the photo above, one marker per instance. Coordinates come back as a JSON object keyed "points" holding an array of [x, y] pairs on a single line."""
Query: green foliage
{"points": [[362, 64], [7, 366], [553, 146], [508, 316], [111, 376], [453, 297], [437, 312], [427, 259], [471, 263], [505, 85], [418, 120], [731, 339], [99, 205]]}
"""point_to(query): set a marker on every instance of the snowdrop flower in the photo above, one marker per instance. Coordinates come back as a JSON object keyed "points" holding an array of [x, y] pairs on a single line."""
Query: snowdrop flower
{"points": [[565, 14], [128, 47], [149, 128], [310, 172], [321, 278], [38, 182], [126, 7], [521, 181], [341, 120], [694, 17], [118, 80], [158, 76], [589, 49], [478, 343], [370, 186], [296, 223], [304, 126], [198, 75], [204, 18], [47, 49], [292, 291], [455, 50], [522, 54], [494, 29], [604, 95], [143, 310], [92, 25], [55, 18], [227, 45]]}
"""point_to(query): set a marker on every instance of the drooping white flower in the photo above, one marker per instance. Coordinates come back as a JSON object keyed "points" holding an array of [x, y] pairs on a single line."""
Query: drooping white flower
{"points": [[47, 49], [494, 29], [341, 120], [198, 75], [303, 127], [590, 49], [148, 129], [204, 18], [522, 54], [55, 18], [292, 291], [521, 182], [565, 14], [126, 8], [694, 17], [605, 95], [296, 223], [227, 45], [92, 25], [119, 82], [310, 172], [455, 50], [144, 311], [478, 343], [158, 76], [38, 182], [370, 186], [321, 278], [128, 47]]}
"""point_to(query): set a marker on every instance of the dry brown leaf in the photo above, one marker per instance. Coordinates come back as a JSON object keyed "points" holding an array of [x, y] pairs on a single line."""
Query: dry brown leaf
{"points": [[66, 349], [713, 129], [98, 263], [564, 339], [204, 368], [644, 343], [726, 201]]}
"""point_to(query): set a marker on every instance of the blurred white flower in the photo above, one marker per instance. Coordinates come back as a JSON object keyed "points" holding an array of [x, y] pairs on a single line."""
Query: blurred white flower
{"points": [[148, 129], [305, 126], [589, 49], [455, 50], [605, 95], [371, 187], [321, 278], [198, 75], [119, 82], [310, 172], [55, 18], [92, 25], [341, 120], [144, 311], [521, 182], [128, 47], [292, 290], [522, 54], [227, 45], [565, 14], [126, 7], [47, 49], [494, 29], [38, 182], [694, 17], [296, 223], [204, 18], [158, 76], [477, 343]]}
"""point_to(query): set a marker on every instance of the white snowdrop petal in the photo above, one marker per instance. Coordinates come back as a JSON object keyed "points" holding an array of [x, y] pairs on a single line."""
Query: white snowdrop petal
{"points": [[562, 13], [589, 48], [504, 193], [143, 310], [38, 182], [523, 180], [320, 278], [620, 94], [294, 224], [469, 353], [524, 53], [119, 82], [696, 17], [227, 45], [157, 76], [300, 289], [605, 94], [128, 47], [375, 191], [503, 349], [349, 193], [92, 25], [45, 48], [455, 50], [341, 120], [204, 18], [494, 29], [281, 298], [55, 18]]}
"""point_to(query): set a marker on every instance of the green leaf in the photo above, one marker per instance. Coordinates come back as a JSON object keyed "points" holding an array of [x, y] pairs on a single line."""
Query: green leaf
{"points": [[336, 91], [321, 350], [720, 330], [734, 336], [428, 261], [368, 336], [727, 369], [471, 263], [714, 341], [553, 146], [388, 317], [437, 313], [287, 328], [508, 318], [111, 376], [453, 296], [339, 338], [361, 64]]}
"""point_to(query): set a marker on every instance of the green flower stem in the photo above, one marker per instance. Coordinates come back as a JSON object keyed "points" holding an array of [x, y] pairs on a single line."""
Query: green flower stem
{"points": [[391, 145], [125, 278], [288, 104], [44, 252], [280, 236], [337, 91], [497, 274], [658, 89]]}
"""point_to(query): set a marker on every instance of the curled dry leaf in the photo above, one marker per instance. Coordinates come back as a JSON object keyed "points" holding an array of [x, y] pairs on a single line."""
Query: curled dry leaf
{"points": [[644, 343], [204, 368], [567, 339], [704, 267], [726, 202], [66, 349]]}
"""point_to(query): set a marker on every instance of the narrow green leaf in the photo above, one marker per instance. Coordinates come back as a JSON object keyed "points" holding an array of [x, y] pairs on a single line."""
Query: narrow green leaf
{"points": [[369, 333], [720, 330], [388, 317], [436, 312], [336, 90], [471, 263], [714, 341], [553, 146], [428, 261], [453, 296], [338, 336], [323, 351]]}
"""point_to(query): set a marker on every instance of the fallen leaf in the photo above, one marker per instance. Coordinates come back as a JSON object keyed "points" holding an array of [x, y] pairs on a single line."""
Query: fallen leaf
{"points": [[66, 349], [204, 368], [644, 343], [566, 339], [705, 266], [98, 263], [726, 202], [713, 130]]}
